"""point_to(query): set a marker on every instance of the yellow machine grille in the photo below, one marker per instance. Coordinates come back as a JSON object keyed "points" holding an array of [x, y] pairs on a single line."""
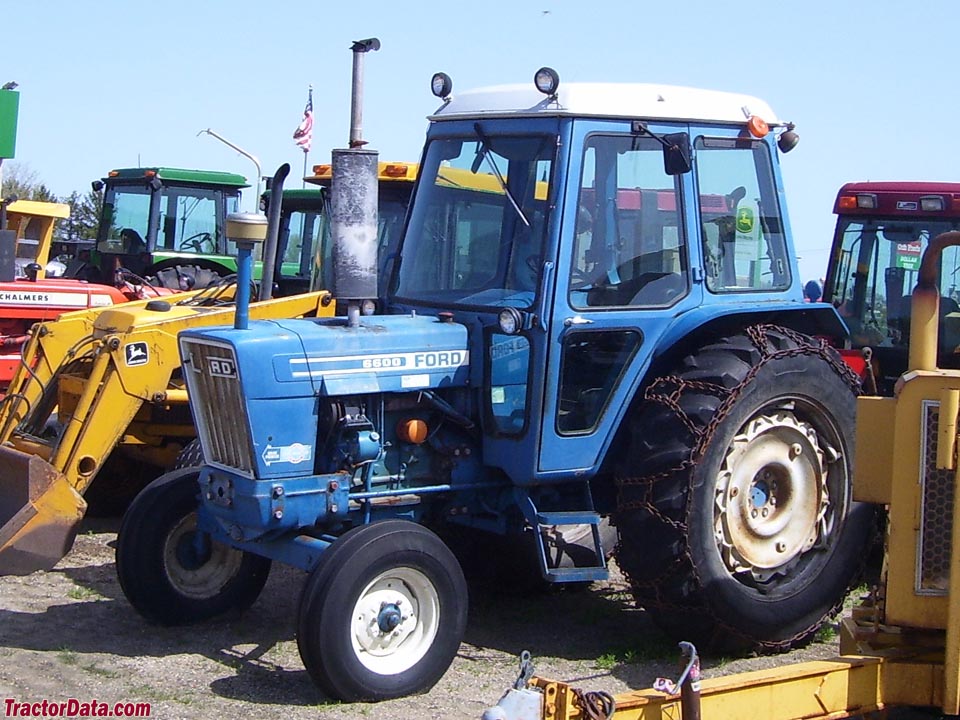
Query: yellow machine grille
{"points": [[936, 522]]}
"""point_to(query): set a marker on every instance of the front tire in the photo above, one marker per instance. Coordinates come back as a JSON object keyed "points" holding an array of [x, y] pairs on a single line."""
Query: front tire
{"points": [[171, 575], [383, 613], [737, 526]]}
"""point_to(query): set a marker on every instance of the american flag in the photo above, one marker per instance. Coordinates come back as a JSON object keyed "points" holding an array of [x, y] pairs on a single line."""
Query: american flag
{"points": [[304, 132]]}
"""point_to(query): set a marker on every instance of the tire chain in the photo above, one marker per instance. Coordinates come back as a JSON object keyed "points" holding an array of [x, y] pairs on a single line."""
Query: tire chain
{"points": [[667, 391]]}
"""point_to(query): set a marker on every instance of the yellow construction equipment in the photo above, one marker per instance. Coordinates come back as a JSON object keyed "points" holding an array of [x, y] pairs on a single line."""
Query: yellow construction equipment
{"points": [[102, 378], [901, 646], [105, 383]]}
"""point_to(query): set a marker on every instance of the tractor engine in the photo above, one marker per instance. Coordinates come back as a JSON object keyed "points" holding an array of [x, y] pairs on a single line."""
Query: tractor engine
{"points": [[326, 413]]}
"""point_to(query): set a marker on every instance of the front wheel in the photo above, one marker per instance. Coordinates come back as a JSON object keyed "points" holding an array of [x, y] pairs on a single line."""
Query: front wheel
{"points": [[171, 573], [383, 613], [737, 526]]}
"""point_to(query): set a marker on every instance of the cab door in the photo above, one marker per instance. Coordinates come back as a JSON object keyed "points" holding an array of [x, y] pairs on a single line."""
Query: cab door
{"points": [[623, 273]]}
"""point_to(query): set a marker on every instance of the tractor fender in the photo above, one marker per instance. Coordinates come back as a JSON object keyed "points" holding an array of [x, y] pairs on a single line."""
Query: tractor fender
{"points": [[694, 327]]}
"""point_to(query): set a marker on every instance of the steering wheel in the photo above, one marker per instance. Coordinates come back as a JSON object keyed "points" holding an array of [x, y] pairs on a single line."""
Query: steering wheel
{"points": [[195, 243], [579, 279]]}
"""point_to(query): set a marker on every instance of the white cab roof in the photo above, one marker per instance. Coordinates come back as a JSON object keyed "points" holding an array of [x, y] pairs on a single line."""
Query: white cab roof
{"points": [[614, 100]]}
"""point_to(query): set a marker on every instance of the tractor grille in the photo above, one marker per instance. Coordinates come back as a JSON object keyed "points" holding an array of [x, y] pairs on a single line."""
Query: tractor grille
{"points": [[216, 399], [936, 512]]}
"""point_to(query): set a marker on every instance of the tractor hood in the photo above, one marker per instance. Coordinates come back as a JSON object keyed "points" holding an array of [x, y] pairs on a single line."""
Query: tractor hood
{"points": [[297, 358]]}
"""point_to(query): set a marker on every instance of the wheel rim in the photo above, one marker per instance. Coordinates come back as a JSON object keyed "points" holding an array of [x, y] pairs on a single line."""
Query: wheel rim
{"points": [[195, 568], [395, 621], [772, 495]]}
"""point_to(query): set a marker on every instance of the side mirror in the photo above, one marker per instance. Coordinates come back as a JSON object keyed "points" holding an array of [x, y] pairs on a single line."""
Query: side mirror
{"points": [[676, 154], [97, 185]]}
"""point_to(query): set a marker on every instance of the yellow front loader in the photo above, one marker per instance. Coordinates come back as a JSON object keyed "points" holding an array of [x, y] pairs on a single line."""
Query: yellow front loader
{"points": [[900, 648], [90, 382], [102, 383]]}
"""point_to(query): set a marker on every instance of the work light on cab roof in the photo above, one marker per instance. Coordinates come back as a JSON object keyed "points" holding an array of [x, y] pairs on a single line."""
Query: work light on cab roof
{"points": [[547, 81], [441, 85]]}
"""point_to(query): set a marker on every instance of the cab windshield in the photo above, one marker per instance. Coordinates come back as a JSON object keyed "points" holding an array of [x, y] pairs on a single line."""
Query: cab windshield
{"points": [[476, 231], [186, 217], [877, 263]]}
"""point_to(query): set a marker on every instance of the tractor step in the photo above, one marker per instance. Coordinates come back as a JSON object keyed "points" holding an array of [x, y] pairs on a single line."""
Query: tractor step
{"points": [[568, 517], [577, 574], [569, 546]]}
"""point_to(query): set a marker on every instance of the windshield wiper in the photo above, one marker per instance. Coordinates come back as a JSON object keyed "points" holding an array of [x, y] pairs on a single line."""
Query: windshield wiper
{"points": [[483, 153]]}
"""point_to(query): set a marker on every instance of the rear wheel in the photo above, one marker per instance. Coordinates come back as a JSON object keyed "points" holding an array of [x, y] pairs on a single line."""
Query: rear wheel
{"points": [[383, 613], [737, 526], [172, 574]]}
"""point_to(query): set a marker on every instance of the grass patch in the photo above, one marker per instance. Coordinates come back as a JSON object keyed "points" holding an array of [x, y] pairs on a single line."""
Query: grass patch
{"points": [[827, 633], [67, 657], [95, 669], [78, 592], [607, 661], [656, 649], [155, 695]]}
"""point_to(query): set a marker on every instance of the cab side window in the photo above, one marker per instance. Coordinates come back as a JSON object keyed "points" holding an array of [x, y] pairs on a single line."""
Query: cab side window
{"points": [[741, 224]]}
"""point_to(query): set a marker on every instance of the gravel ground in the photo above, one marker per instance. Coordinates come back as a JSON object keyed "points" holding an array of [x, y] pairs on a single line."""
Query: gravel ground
{"points": [[70, 633]]}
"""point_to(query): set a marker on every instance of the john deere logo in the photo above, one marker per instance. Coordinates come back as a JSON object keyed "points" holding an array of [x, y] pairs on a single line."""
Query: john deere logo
{"points": [[745, 220], [136, 354]]}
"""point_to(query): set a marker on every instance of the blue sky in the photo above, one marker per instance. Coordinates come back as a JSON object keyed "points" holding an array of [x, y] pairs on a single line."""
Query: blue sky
{"points": [[121, 84]]}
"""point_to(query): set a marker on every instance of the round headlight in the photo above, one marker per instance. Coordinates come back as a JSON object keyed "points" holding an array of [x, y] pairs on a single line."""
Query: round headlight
{"points": [[547, 81], [441, 85], [509, 320], [368, 307]]}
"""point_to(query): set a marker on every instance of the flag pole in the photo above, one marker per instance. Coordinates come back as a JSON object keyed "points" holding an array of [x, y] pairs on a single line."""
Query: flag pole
{"points": [[303, 135]]}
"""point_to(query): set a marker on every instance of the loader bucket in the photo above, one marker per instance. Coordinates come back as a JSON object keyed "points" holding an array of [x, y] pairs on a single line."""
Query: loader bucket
{"points": [[40, 513]]}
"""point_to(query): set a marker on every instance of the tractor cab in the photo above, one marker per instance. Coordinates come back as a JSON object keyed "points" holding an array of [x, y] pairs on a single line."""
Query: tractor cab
{"points": [[164, 226], [882, 231], [577, 245]]}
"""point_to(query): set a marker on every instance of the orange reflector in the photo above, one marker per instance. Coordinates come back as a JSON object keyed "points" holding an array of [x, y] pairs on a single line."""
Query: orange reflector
{"points": [[149, 173], [322, 170], [757, 126], [394, 170], [847, 202], [113, 173], [413, 431]]}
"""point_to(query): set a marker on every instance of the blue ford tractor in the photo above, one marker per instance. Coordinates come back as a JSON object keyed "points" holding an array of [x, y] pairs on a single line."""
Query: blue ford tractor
{"points": [[595, 314]]}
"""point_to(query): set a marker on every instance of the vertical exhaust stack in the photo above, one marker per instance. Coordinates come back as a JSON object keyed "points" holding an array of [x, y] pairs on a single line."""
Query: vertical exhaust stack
{"points": [[353, 204], [273, 232], [925, 305]]}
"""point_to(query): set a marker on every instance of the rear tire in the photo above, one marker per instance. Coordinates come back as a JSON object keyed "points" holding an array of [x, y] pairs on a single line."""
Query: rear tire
{"points": [[168, 576], [737, 526], [383, 613]]}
